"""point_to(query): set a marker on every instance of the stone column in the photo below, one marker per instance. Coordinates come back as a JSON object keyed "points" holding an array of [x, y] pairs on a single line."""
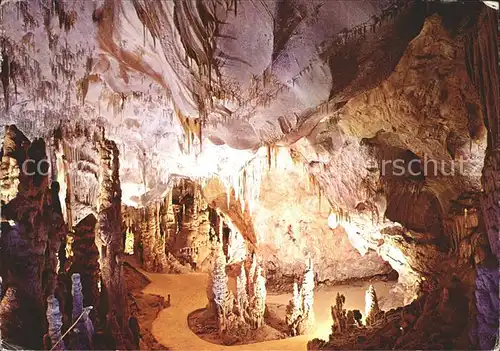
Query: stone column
{"points": [[109, 242]]}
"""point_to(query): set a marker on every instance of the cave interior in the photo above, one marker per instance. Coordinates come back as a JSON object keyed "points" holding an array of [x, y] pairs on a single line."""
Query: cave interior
{"points": [[274, 174]]}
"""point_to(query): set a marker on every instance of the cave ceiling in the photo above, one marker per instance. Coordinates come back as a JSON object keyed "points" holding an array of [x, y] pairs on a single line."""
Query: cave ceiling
{"points": [[196, 88]]}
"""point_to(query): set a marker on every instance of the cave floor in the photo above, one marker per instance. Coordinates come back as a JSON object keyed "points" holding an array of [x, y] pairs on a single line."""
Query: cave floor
{"points": [[188, 293]]}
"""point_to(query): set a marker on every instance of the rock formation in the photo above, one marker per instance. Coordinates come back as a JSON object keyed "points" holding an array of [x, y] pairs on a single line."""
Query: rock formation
{"points": [[222, 297], [109, 241], [339, 315], [85, 260], [372, 311], [54, 319], [389, 108], [241, 294], [300, 310], [257, 303], [152, 238], [28, 240], [293, 317], [435, 320], [81, 335]]}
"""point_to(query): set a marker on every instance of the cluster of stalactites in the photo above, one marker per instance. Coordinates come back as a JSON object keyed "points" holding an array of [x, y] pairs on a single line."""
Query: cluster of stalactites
{"points": [[237, 248], [246, 184], [192, 127], [338, 216]]}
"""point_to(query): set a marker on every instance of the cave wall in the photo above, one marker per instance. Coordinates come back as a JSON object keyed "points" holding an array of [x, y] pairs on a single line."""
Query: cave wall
{"points": [[427, 109], [291, 223], [32, 231], [446, 222], [40, 250]]}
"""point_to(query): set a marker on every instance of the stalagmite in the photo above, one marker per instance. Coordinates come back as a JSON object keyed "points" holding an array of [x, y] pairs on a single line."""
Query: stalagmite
{"points": [[339, 315], [242, 296], [307, 294], [85, 259], [82, 340], [300, 311], [372, 311], [54, 319], [222, 296], [258, 300], [294, 312]]}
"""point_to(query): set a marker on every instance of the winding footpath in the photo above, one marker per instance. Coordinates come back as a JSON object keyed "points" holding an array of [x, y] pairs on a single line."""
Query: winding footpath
{"points": [[188, 293]]}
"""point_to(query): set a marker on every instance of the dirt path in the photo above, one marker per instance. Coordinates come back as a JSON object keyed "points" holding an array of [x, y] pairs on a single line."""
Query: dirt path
{"points": [[188, 294]]}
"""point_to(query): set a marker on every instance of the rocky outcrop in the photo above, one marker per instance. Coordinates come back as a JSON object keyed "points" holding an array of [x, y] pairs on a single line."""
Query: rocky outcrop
{"points": [[482, 52], [339, 315], [55, 257]]}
